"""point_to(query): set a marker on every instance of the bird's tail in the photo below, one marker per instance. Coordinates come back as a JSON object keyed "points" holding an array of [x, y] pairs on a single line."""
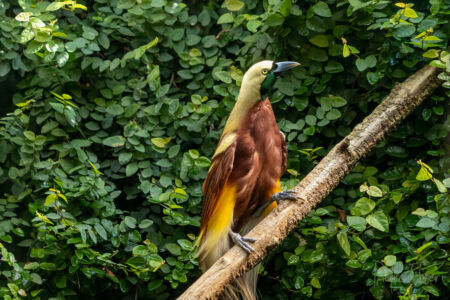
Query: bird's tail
{"points": [[214, 241], [245, 286]]}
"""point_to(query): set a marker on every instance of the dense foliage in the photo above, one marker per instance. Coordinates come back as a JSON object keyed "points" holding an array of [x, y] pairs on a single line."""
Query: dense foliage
{"points": [[111, 109]]}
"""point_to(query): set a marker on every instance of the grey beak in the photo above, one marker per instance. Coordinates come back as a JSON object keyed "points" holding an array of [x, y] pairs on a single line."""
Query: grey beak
{"points": [[283, 66]]}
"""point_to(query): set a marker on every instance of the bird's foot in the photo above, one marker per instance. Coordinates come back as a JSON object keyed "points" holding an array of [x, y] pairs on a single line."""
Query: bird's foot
{"points": [[242, 241], [284, 195]]}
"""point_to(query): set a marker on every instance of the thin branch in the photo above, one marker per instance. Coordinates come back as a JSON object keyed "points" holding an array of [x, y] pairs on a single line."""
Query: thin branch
{"points": [[271, 231]]}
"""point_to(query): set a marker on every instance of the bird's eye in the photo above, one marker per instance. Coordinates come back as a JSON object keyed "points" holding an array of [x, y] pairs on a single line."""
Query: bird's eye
{"points": [[265, 71]]}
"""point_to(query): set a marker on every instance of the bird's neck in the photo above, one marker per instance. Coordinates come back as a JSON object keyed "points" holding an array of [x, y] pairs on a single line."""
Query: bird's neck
{"points": [[249, 95]]}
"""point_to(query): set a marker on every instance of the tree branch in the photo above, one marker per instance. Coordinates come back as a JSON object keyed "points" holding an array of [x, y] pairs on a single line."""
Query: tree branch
{"points": [[271, 231]]}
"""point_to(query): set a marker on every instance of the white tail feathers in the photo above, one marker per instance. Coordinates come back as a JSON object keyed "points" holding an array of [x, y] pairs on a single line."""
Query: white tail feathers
{"points": [[245, 286]]}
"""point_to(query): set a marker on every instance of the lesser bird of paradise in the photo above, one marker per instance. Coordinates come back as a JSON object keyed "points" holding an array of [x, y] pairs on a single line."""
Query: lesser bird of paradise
{"points": [[243, 182]]}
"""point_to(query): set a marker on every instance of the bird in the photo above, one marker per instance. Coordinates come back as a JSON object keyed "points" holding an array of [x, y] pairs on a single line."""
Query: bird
{"points": [[243, 181]]}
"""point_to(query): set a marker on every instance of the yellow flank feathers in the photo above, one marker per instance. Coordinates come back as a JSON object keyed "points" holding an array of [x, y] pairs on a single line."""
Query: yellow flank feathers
{"points": [[220, 220], [276, 189]]}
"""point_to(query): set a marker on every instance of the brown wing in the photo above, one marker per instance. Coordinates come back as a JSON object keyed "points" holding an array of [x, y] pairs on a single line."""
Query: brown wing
{"points": [[221, 167], [284, 153]]}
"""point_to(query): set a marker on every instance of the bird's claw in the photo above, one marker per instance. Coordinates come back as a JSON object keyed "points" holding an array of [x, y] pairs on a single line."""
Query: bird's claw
{"points": [[284, 195], [242, 241]]}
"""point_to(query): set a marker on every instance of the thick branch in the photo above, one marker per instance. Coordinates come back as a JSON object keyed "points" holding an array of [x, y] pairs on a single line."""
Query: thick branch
{"points": [[317, 184]]}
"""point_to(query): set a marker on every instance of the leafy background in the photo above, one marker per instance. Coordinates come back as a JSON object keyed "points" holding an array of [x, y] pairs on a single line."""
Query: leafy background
{"points": [[111, 110]]}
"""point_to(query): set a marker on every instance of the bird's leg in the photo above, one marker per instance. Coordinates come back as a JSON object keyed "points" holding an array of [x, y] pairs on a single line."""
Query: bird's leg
{"points": [[242, 241], [284, 195]]}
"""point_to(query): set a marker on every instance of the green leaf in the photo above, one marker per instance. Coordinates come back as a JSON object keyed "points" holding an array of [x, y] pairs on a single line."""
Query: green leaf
{"points": [[285, 8], [379, 221], [334, 67], [154, 284], [432, 289], [185, 244], [4, 68], [319, 40], [404, 31], [114, 141], [131, 169], [225, 18], [343, 242], [29, 135], [353, 263], [383, 272], [130, 222], [426, 222], [234, 5], [372, 77], [407, 276], [145, 223], [253, 25], [101, 231], [333, 114], [115, 109], [274, 20], [357, 223], [397, 268], [293, 260], [173, 249], [70, 115], [62, 59], [375, 191], [390, 260], [363, 206], [321, 9]]}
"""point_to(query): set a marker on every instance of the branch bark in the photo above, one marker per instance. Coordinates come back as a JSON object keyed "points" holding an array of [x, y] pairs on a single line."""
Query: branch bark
{"points": [[271, 231]]}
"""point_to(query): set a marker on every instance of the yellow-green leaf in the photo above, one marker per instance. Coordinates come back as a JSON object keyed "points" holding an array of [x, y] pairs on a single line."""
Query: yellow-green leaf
{"points": [[423, 247], [431, 38], [234, 5], [56, 95], [432, 53], [159, 142], [95, 170], [50, 199], [440, 186], [80, 6], [315, 283], [319, 40], [419, 212], [400, 4], [62, 196], [25, 104], [44, 218], [292, 172], [343, 242], [423, 174], [345, 51], [410, 13], [180, 191]]}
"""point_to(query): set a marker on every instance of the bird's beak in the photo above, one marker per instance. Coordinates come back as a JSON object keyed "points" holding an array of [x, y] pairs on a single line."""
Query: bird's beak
{"points": [[283, 66]]}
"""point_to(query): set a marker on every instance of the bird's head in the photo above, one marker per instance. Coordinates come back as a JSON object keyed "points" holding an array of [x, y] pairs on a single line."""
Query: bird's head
{"points": [[261, 76]]}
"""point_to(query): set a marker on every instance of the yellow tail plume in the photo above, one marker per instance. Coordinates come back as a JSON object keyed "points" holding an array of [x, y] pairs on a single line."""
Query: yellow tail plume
{"points": [[214, 241]]}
